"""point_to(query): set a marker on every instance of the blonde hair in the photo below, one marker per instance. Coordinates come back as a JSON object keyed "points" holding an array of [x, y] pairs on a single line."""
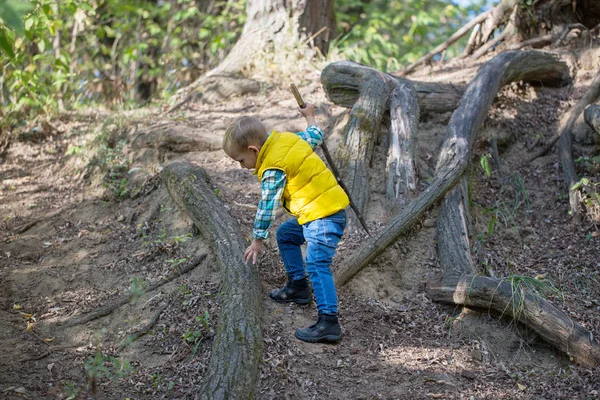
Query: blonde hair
{"points": [[242, 132]]}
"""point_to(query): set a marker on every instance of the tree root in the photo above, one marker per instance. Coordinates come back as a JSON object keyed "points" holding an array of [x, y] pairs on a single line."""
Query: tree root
{"points": [[507, 298], [506, 34], [144, 329], [454, 155], [400, 166], [565, 144], [109, 308], [237, 347]]}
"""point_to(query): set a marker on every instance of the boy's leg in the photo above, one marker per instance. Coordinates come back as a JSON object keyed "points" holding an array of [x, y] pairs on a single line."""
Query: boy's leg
{"points": [[323, 236], [296, 289], [289, 240]]}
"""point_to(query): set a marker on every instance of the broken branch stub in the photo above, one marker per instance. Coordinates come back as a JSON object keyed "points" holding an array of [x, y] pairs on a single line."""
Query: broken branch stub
{"points": [[508, 299], [237, 349], [455, 152]]}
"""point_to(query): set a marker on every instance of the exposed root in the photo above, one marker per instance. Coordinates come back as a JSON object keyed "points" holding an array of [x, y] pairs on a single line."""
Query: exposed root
{"points": [[109, 308], [508, 32], [565, 144], [144, 329]]}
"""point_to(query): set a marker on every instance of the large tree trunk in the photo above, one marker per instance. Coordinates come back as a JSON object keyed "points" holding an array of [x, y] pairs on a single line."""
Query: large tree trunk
{"points": [[237, 349], [276, 23], [508, 299], [454, 156]]}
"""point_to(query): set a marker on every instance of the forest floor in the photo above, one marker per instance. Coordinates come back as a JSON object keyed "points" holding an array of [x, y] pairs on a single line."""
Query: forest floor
{"points": [[86, 221]]}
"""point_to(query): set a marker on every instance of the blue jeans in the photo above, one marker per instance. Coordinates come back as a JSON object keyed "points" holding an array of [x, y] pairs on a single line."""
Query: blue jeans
{"points": [[322, 237]]}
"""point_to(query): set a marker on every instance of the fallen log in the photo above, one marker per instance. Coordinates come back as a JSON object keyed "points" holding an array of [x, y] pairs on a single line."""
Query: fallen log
{"points": [[455, 152], [509, 299], [592, 117], [237, 350]]}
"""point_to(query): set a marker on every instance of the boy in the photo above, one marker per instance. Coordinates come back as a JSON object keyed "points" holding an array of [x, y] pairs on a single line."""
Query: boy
{"points": [[290, 172]]}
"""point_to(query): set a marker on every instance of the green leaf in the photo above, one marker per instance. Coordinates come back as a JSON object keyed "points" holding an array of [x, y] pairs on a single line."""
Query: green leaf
{"points": [[5, 45], [12, 11]]}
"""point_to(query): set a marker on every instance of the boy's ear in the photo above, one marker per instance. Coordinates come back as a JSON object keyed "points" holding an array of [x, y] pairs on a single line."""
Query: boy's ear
{"points": [[254, 149]]}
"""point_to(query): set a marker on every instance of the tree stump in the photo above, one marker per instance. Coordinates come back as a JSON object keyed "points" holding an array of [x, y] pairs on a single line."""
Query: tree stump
{"points": [[237, 348]]}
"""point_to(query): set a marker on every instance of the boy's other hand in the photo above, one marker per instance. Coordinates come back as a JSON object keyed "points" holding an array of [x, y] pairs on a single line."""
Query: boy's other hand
{"points": [[253, 250], [309, 114]]}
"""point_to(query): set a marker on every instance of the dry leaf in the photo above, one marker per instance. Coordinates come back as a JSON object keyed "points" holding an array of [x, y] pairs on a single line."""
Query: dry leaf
{"points": [[30, 326], [48, 340], [49, 366], [521, 387], [16, 307], [27, 316]]}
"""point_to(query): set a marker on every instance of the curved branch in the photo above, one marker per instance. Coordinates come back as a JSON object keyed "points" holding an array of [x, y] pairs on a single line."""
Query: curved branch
{"points": [[455, 152]]}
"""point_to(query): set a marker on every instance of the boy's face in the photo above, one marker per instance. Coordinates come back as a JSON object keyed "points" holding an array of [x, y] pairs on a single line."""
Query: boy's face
{"points": [[247, 157]]}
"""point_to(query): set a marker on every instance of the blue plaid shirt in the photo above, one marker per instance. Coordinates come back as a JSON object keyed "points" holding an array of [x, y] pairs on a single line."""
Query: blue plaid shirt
{"points": [[272, 185]]}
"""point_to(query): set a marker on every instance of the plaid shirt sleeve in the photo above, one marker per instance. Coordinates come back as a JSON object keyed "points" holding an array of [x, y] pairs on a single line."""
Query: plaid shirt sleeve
{"points": [[313, 135], [272, 185]]}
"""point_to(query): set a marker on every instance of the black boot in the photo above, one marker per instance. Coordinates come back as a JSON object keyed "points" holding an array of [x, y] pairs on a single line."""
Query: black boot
{"points": [[293, 292], [327, 329]]}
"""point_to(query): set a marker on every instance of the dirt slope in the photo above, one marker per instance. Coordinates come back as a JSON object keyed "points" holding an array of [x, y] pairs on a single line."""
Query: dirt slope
{"points": [[72, 240]]}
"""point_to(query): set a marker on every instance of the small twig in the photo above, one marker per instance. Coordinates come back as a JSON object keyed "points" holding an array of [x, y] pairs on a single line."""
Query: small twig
{"points": [[144, 329], [566, 31], [104, 311]]}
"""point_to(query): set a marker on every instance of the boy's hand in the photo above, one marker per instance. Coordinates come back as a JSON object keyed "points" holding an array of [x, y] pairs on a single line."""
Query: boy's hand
{"points": [[253, 250], [309, 114]]}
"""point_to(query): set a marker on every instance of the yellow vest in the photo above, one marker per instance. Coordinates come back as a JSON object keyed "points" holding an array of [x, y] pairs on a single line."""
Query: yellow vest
{"points": [[311, 191]]}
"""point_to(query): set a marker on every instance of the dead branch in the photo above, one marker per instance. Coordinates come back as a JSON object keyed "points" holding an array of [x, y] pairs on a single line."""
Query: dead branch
{"points": [[566, 31], [565, 144], [237, 348], [107, 309], [507, 299], [508, 32], [455, 152], [451, 40], [495, 19]]}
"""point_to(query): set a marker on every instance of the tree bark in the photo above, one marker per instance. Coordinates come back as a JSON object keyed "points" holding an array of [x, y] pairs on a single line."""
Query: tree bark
{"points": [[454, 231], [341, 81], [400, 166], [455, 152], [237, 349], [361, 132], [565, 145], [508, 299], [592, 117]]}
